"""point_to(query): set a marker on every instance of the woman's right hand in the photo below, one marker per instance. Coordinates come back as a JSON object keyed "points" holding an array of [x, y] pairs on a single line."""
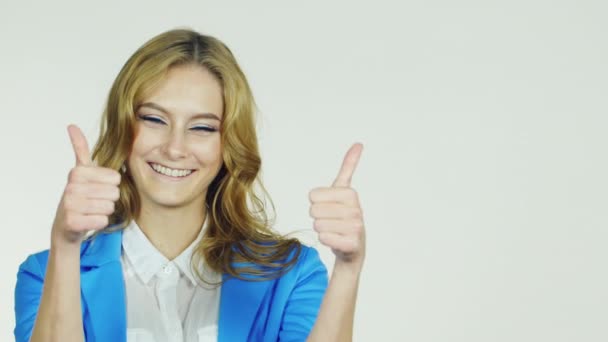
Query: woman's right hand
{"points": [[89, 196]]}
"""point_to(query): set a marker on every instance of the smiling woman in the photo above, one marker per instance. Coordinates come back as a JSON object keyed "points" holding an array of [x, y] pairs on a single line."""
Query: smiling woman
{"points": [[174, 155], [182, 249]]}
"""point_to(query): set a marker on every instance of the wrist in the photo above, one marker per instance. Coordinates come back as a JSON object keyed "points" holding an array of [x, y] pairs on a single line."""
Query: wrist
{"points": [[59, 244], [348, 268]]}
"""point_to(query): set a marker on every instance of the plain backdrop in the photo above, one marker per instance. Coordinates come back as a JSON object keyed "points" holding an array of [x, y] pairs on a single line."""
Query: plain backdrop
{"points": [[483, 178]]}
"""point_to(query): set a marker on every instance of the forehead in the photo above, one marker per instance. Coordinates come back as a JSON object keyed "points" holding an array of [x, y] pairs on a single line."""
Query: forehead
{"points": [[188, 90]]}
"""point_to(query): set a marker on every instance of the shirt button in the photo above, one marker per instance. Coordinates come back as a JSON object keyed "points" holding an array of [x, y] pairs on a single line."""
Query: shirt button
{"points": [[167, 269]]}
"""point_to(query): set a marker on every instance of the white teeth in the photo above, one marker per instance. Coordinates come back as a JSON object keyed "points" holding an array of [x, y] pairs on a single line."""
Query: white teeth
{"points": [[170, 172]]}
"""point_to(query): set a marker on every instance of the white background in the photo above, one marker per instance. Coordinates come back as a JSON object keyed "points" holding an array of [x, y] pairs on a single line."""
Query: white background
{"points": [[483, 178]]}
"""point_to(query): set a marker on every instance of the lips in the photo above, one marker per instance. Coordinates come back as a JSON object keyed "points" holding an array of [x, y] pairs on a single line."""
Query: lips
{"points": [[170, 172]]}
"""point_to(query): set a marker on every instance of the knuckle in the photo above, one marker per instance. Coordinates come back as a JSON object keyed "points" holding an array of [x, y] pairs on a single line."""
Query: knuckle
{"points": [[100, 222], [98, 207], [70, 188], [323, 238], [351, 192], [111, 207], [68, 203], [316, 224], [97, 222], [70, 222], [311, 195], [116, 176], [72, 175], [358, 225], [355, 195]]}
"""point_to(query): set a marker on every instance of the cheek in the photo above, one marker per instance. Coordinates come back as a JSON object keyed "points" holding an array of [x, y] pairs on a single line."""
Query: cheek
{"points": [[210, 153], [143, 142]]}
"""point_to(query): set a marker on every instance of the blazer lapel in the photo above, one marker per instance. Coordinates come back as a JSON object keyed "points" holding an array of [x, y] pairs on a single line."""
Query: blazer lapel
{"points": [[103, 293], [103, 290], [239, 304]]}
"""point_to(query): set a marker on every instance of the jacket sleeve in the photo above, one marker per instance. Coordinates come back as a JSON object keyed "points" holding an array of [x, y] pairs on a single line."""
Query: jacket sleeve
{"points": [[28, 292], [305, 299]]}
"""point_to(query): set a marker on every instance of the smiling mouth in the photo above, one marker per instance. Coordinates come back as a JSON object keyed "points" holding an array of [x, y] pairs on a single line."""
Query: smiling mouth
{"points": [[173, 173]]}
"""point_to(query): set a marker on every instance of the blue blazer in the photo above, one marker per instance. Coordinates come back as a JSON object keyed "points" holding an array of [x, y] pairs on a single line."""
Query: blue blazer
{"points": [[282, 309]]}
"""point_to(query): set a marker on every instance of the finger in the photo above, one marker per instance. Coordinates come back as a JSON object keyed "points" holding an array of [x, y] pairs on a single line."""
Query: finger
{"points": [[331, 194], [334, 211], [93, 191], [94, 174], [342, 227], [80, 146], [83, 206], [344, 244], [348, 166], [83, 223]]}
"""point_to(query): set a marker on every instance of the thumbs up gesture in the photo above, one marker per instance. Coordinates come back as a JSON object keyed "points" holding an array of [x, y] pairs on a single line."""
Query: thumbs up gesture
{"points": [[88, 198], [337, 214]]}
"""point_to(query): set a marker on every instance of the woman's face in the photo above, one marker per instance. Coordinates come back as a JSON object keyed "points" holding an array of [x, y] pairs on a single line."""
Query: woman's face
{"points": [[176, 151]]}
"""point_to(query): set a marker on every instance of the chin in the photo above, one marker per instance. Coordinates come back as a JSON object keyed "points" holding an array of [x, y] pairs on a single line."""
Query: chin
{"points": [[170, 202], [174, 199]]}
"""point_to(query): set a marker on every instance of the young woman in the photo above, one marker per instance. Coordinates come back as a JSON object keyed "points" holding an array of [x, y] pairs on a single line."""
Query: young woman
{"points": [[181, 248]]}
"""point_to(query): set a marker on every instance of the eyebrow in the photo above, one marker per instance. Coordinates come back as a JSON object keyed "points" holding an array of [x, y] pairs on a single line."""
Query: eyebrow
{"points": [[195, 116]]}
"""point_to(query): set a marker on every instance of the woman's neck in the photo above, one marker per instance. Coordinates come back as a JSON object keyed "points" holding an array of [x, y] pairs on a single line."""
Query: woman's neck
{"points": [[171, 230]]}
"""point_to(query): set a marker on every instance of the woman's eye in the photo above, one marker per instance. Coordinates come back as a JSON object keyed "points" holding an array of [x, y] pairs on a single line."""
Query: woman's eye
{"points": [[156, 120], [151, 119], [204, 128]]}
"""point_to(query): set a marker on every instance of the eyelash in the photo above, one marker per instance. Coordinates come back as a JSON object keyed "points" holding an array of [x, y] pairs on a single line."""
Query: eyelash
{"points": [[159, 121]]}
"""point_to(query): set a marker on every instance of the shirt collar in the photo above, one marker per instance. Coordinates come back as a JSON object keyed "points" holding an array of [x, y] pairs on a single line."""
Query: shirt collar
{"points": [[148, 261], [182, 261]]}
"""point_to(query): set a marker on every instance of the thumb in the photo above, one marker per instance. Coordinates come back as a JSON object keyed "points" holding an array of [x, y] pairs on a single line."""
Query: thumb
{"points": [[351, 159], [80, 146]]}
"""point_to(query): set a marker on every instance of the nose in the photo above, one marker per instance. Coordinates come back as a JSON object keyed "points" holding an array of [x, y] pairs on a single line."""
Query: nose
{"points": [[175, 146]]}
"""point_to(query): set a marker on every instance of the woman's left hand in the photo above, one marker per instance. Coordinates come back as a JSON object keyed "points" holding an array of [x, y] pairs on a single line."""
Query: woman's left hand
{"points": [[338, 217]]}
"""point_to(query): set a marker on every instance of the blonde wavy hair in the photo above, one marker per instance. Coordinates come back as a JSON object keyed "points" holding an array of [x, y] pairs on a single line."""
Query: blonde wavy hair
{"points": [[238, 240]]}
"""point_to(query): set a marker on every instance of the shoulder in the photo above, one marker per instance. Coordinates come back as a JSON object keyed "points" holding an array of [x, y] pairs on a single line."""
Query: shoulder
{"points": [[35, 264], [308, 268], [309, 259], [101, 248]]}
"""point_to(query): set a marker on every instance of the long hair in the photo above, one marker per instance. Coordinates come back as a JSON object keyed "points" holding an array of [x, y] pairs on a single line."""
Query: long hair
{"points": [[239, 240]]}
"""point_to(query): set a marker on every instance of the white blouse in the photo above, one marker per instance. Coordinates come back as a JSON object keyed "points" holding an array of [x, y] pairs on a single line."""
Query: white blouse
{"points": [[165, 301]]}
